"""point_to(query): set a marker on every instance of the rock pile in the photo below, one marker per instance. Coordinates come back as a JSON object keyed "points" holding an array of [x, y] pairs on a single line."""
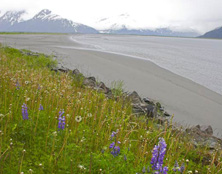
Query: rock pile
{"points": [[200, 135]]}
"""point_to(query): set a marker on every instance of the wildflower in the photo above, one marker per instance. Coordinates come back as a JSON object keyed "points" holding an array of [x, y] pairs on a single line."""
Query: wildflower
{"points": [[17, 85], [25, 112], [182, 168], [113, 134], [81, 167], [41, 107], [78, 118], [54, 133], [125, 158], [112, 145], [61, 124], [26, 82], [158, 156], [176, 167], [89, 115], [115, 149]]}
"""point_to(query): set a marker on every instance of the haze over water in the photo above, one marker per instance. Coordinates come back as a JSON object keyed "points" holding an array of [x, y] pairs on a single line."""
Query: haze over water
{"points": [[199, 60]]}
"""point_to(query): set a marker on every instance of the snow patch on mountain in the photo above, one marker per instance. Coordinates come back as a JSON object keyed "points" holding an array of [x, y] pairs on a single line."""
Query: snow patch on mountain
{"points": [[118, 22], [13, 17]]}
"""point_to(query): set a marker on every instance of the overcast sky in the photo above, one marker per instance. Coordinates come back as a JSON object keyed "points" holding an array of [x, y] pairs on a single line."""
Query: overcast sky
{"points": [[201, 15]]}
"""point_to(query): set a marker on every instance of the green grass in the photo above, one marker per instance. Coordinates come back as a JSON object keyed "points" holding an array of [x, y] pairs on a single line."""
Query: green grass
{"points": [[37, 146]]}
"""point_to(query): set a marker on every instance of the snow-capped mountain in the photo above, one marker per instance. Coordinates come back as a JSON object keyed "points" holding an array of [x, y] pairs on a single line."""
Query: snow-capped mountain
{"points": [[216, 33], [117, 22], [10, 19], [126, 24], [44, 21]]}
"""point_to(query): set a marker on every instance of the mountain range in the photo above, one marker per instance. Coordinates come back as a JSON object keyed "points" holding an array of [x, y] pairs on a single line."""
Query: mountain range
{"points": [[126, 24], [216, 33], [44, 21]]}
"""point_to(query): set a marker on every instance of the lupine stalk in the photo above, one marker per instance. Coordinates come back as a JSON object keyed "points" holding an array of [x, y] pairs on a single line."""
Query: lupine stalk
{"points": [[61, 124], [25, 112], [41, 107], [115, 149], [158, 157], [17, 85]]}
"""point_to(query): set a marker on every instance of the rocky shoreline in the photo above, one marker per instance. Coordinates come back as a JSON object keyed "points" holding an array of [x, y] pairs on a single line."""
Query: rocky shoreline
{"points": [[198, 135]]}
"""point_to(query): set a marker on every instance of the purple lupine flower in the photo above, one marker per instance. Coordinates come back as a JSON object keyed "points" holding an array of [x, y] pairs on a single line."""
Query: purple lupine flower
{"points": [[115, 149], [41, 107], [17, 85], [158, 156], [111, 145], [178, 168], [182, 168], [125, 158], [25, 112], [61, 124], [113, 134]]}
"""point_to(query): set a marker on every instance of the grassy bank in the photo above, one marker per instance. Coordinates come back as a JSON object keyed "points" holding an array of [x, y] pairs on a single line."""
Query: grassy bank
{"points": [[51, 123]]}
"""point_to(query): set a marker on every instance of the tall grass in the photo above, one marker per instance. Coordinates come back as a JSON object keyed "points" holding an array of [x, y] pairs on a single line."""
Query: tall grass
{"points": [[38, 146]]}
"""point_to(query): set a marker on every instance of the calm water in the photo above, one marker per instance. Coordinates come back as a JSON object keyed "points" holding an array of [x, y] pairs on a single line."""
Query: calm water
{"points": [[199, 60]]}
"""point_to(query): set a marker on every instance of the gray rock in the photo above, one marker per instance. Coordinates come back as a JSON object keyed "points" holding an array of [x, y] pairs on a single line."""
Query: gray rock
{"points": [[151, 111], [139, 109], [161, 109], [90, 81], [76, 72], [166, 114], [135, 98], [206, 129], [64, 70], [105, 89]]}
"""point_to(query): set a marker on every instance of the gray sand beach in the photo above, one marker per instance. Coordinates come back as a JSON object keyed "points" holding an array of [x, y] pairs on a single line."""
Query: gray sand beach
{"points": [[190, 102]]}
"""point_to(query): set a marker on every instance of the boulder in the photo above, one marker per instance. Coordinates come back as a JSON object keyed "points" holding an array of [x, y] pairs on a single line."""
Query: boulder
{"points": [[90, 81], [206, 129], [76, 72], [166, 114], [151, 111], [139, 109], [135, 98], [103, 87], [61, 69]]}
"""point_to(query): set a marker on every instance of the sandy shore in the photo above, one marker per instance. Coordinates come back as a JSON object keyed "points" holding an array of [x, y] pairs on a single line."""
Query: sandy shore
{"points": [[190, 103]]}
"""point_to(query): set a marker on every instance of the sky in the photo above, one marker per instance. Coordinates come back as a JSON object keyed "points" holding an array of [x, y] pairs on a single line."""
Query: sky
{"points": [[200, 15]]}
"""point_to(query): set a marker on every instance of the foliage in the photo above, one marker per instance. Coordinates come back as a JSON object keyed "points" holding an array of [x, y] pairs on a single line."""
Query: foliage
{"points": [[80, 141]]}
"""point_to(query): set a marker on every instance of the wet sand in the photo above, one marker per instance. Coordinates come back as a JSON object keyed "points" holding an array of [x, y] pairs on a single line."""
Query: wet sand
{"points": [[190, 102]]}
